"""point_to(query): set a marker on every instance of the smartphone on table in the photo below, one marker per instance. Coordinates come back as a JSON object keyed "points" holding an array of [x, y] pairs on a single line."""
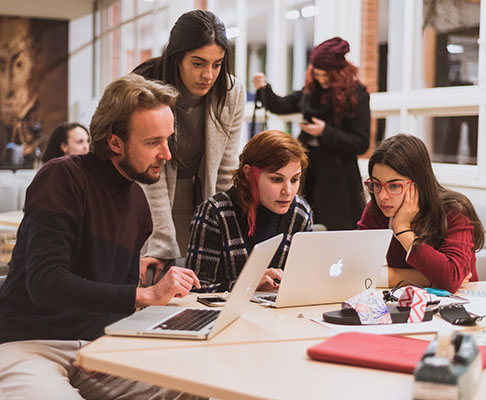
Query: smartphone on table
{"points": [[211, 301]]}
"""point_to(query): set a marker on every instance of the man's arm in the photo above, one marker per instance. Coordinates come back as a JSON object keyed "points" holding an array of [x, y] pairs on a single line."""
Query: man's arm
{"points": [[59, 268]]}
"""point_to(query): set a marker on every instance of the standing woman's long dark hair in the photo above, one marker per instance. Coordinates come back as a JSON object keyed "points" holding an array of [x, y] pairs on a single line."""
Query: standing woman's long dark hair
{"points": [[193, 30], [408, 156]]}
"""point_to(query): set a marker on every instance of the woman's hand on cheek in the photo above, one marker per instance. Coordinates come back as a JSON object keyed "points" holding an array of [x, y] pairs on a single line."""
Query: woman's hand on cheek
{"points": [[408, 210]]}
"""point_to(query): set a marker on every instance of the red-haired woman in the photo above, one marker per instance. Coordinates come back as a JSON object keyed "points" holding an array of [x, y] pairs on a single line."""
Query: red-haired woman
{"points": [[335, 106], [262, 203]]}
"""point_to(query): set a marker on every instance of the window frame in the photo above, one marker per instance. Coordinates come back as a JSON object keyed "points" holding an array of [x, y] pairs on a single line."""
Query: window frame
{"points": [[409, 103]]}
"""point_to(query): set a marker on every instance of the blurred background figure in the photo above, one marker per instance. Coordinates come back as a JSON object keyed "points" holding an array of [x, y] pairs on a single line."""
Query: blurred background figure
{"points": [[336, 129], [66, 139]]}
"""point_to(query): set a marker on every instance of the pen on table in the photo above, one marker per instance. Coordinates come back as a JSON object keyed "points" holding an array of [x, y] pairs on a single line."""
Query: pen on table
{"points": [[443, 293]]}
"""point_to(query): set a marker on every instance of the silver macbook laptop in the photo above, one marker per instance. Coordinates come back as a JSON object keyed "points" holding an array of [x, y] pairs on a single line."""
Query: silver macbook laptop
{"points": [[200, 323], [329, 267]]}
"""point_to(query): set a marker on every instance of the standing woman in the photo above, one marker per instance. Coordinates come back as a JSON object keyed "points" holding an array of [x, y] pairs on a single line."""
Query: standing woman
{"points": [[437, 231], [262, 203], [209, 114], [335, 106]]}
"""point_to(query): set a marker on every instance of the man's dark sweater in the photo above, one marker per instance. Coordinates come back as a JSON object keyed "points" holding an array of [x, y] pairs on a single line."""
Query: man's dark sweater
{"points": [[75, 266]]}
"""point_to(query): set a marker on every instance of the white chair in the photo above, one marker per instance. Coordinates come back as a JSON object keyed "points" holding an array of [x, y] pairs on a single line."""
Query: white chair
{"points": [[23, 178], [25, 175], [9, 196]]}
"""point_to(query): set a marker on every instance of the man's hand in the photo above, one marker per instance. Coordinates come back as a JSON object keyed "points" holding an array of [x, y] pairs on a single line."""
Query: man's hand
{"points": [[268, 281], [177, 282], [144, 264]]}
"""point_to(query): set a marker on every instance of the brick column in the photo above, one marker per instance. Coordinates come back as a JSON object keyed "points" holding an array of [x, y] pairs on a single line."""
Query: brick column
{"points": [[369, 56]]}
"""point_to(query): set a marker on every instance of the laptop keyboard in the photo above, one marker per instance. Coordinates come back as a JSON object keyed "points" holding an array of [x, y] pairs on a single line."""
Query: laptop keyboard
{"points": [[191, 319], [270, 297]]}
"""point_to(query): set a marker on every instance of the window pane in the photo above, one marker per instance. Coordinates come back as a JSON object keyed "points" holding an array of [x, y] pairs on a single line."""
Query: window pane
{"points": [[110, 38], [128, 35], [390, 51], [299, 22], [449, 52], [127, 10], [144, 6], [455, 139], [145, 38], [162, 27]]}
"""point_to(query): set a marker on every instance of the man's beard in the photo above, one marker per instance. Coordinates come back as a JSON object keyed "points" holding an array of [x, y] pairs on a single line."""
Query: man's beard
{"points": [[142, 177]]}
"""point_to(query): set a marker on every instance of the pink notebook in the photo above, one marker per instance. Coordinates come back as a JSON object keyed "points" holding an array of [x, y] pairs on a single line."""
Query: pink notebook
{"points": [[391, 353]]}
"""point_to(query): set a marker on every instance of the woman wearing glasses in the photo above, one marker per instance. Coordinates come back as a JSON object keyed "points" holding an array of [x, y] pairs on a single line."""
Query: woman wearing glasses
{"points": [[335, 106], [436, 231]]}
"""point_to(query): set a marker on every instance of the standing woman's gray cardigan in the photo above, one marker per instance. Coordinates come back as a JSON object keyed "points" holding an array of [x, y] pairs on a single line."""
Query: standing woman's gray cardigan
{"points": [[219, 159]]}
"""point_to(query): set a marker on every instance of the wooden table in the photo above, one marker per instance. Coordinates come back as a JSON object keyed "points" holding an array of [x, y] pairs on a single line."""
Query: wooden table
{"points": [[11, 218], [9, 223], [262, 355]]}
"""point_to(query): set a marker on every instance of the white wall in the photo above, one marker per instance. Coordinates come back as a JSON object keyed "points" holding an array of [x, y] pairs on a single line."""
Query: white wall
{"points": [[81, 71]]}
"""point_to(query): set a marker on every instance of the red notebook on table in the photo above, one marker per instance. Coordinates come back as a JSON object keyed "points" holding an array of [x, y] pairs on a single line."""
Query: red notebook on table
{"points": [[391, 353]]}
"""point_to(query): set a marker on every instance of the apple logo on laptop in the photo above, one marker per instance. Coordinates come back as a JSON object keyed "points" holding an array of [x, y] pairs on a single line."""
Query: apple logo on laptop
{"points": [[336, 269]]}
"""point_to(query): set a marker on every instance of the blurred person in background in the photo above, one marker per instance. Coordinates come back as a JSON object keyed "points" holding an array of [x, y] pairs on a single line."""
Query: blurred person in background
{"points": [[66, 139]]}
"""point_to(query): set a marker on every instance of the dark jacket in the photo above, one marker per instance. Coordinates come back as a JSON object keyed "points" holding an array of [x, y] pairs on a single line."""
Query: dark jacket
{"points": [[333, 184]]}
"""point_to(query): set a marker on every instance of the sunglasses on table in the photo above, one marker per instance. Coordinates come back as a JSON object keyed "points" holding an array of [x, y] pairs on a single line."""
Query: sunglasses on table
{"points": [[393, 188]]}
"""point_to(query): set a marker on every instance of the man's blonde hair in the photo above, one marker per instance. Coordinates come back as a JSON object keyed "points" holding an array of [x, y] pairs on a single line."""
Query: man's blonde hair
{"points": [[120, 100]]}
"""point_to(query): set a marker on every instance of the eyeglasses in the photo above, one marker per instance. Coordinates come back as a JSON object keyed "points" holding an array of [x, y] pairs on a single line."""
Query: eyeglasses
{"points": [[393, 188]]}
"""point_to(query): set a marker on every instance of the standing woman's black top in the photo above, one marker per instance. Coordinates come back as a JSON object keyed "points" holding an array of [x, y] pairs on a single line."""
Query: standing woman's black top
{"points": [[333, 185]]}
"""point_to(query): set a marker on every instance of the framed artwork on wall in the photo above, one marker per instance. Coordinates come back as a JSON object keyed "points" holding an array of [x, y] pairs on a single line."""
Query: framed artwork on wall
{"points": [[33, 86]]}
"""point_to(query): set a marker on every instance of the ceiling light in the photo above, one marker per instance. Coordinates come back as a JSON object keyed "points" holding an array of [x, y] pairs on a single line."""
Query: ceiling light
{"points": [[455, 49], [292, 14], [310, 11]]}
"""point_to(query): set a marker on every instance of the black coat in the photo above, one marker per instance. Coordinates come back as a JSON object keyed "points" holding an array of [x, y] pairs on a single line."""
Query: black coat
{"points": [[333, 184]]}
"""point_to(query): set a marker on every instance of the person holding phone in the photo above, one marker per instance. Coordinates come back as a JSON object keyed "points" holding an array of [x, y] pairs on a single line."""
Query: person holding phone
{"points": [[209, 114], [262, 203], [436, 231], [336, 106]]}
